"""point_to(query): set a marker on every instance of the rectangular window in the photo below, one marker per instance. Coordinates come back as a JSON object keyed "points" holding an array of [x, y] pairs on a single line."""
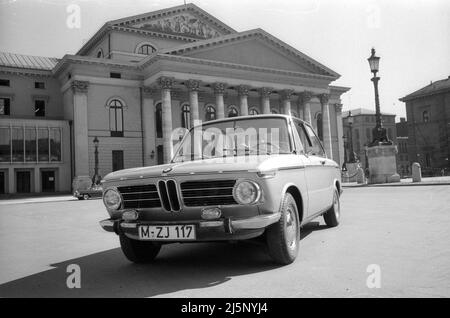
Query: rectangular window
{"points": [[39, 85], [43, 144], [4, 106], [17, 144], [4, 82], [39, 108], [115, 75], [5, 144], [117, 160], [55, 144], [30, 144]]}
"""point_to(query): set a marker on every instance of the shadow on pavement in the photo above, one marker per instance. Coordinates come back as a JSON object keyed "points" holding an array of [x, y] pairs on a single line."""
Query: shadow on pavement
{"points": [[178, 267]]}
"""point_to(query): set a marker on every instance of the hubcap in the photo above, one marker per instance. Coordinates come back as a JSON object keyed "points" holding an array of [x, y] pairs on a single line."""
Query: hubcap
{"points": [[291, 229], [336, 205]]}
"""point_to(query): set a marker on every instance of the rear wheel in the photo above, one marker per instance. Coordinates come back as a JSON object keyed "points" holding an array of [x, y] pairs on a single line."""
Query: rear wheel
{"points": [[138, 251], [86, 196], [283, 237], [332, 216]]}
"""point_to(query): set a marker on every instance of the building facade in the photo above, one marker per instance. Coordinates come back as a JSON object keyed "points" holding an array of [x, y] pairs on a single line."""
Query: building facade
{"points": [[139, 78], [428, 117], [358, 134]]}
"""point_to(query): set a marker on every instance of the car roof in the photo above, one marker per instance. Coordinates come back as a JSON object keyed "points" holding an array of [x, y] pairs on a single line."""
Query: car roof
{"points": [[250, 117]]}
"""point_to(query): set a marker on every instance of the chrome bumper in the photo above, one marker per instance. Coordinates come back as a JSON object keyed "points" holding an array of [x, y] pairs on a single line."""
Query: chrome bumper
{"points": [[257, 222]]}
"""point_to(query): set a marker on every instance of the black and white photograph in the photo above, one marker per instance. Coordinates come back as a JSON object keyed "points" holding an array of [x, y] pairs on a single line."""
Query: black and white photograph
{"points": [[224, 154]]}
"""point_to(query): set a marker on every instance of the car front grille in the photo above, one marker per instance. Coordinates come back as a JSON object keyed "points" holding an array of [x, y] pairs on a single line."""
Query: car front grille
{"points": [[140, 196], [203, 193]]}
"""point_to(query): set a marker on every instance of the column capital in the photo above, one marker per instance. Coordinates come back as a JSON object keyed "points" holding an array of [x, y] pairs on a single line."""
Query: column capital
{"points": [[80, 86], [265, 91], [338, 107], [192, 85], [305, 97], [219, 88], [286, 94], [165, 82], [243, 90], [324, 98]]}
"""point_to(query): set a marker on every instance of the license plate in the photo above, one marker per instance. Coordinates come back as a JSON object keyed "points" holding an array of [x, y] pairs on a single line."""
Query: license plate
{"points": [[167, 232]]}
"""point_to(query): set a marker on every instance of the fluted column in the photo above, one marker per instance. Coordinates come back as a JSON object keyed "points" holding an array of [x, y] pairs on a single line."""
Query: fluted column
{"points": [[326, 128], [193, 87], [340, 132], [265, 99], [243, 95], [80, 127], [305, 98], [219, 90], [166, 86], [148, 127], [286, 99]]}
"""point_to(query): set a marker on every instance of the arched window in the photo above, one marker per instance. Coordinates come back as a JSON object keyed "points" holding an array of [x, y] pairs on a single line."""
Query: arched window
{"points": [[186, 116], [146, 49], [319, 126], [158, 121], [426, 116], [232, 112], [210, 113], [116, 118], [253, 111], [274, 111], [100, 53]]}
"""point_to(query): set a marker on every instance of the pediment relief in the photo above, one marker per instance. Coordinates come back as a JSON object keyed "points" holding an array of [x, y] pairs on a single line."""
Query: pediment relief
{"points": [[181, 24]]}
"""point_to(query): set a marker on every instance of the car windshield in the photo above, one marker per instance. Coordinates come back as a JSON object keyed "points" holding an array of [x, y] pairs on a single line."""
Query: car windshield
{"points": [[232, 138]]}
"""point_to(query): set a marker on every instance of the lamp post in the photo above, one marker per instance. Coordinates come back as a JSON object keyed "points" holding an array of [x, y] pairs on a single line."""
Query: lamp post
{"points": [[379, 133], [96, 178], [350, 121]]}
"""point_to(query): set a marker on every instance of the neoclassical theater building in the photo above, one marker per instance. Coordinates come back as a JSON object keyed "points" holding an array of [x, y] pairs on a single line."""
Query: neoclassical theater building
{"points": [[136, 80]]}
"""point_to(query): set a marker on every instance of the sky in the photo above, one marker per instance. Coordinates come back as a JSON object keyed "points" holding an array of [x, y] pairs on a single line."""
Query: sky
{"points": [[412, 37]]}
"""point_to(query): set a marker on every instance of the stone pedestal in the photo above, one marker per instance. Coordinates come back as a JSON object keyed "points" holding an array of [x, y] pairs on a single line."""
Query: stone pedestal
{"points": [[382, 164], [416, 172]]}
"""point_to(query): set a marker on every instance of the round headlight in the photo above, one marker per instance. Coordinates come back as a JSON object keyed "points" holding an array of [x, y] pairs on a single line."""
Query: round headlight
{"points": [[112, 199], [246, 192]]}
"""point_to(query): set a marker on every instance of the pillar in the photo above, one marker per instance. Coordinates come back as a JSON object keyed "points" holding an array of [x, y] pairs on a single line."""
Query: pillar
{"points": [[286, 100], [148, 127], [193, 87], [80, 128], [243, 95], [219, 90], [326, 129], [265, 100], [305, 99], [340, 133], [166, 84]]}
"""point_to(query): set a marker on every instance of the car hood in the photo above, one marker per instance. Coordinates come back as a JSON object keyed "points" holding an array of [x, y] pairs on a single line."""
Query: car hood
{"points": [[209, 166]]}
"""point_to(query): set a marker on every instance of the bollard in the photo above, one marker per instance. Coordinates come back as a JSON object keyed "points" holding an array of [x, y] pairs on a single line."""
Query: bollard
{"points": [[416, 172], [360, 177]]}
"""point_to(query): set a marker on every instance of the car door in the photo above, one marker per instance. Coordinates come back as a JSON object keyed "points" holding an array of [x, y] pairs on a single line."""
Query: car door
{"points": [[318, 173]]}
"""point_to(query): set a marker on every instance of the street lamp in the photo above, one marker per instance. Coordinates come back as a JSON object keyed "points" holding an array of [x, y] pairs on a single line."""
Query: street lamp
{"points": [[350, 124], [96, 178], [379, 133]]}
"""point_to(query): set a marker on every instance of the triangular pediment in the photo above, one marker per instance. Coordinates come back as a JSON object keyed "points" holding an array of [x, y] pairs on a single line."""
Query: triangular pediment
{"points": [[185, 20], [254, 48]]}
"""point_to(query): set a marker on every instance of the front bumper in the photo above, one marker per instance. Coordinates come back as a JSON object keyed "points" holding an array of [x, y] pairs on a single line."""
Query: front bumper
{"points": [[222, 229]]}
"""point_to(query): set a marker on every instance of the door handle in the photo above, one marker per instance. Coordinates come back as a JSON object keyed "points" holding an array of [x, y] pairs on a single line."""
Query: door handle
{"points": [[322, 162]]}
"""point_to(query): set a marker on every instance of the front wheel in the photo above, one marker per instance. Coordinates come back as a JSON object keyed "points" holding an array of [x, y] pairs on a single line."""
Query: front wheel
{"points": [[138, 251], [332, 216], [283, 237]]}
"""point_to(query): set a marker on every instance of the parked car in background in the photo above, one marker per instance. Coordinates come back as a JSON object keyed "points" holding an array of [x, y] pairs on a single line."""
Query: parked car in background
{"points": [[231, 179], [86, 194]]}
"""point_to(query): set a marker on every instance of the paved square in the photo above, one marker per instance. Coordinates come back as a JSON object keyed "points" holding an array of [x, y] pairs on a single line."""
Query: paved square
{"points": [[404, 230]]}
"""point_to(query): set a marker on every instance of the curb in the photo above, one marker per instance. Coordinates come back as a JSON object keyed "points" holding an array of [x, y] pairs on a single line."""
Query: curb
{"points": [[415, 184]]}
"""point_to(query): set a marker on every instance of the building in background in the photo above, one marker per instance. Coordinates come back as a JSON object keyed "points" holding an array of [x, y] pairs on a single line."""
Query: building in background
{"points": [[428, 117], [403, 162], [136, 80], [364, 120]]}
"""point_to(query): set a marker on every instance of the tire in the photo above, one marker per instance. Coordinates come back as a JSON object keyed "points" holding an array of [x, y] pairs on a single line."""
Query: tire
{"points": [[80, 198], [333, 215], [138, 251], [283, 237], [86, 196]]}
